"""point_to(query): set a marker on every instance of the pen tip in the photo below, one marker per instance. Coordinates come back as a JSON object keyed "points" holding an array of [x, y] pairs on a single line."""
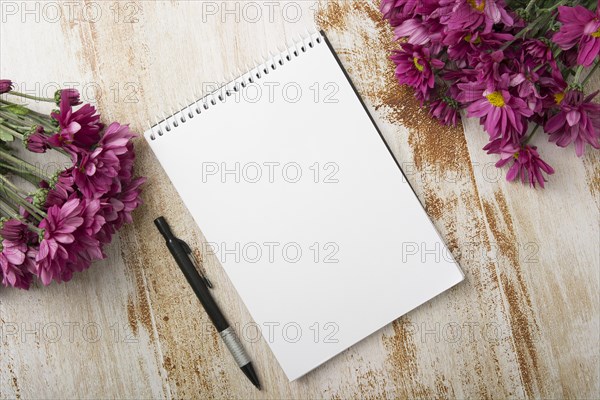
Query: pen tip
{"points": [[251, 374]]}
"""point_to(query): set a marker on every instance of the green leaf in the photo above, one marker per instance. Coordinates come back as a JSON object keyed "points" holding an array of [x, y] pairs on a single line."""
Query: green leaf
{"points": [[6, 137], [17, 109]]}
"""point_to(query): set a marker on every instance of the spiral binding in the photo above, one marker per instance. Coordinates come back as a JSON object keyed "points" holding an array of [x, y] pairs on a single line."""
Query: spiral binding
{"points": [[220, 95]]}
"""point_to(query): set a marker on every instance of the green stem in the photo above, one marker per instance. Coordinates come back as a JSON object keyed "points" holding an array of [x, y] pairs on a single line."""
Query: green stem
{"points": [[529, 6], [29, 96], [554, 7], [16, 127], [23, 174], [549, 15], [46, 117], [556, 53], [28, 120], [530, 135], [525, 30], [591, 73], [4, 214], [23, 164], [11, 132], [38, 114], [20, 201], [35, 120], [17, 189], [8, 210], [536, 69], [578, 74], [12, 117], [45, 123], [11, 213]]}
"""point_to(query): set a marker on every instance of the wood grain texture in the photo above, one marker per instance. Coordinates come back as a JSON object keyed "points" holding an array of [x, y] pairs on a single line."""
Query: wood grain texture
{"points": [[524, 324]]}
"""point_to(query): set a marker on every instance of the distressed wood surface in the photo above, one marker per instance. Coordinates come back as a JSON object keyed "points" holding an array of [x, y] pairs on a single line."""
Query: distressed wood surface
{"points": [[524, 324]]}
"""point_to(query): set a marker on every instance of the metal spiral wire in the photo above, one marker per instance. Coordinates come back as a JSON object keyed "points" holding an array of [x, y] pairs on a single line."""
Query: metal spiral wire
{"points": [[220, 95]]}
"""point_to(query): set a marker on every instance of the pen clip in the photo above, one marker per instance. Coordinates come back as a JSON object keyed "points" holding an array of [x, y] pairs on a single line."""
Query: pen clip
{"points": [[196, 262]]}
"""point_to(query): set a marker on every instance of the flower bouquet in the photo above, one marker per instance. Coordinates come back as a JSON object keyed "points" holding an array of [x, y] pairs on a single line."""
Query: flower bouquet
{"points": [[517, 65], [54, 224]]}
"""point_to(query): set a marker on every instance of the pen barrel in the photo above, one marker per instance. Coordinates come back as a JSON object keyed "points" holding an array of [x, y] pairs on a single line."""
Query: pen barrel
{"points": [[235, 347], [198, 285]]}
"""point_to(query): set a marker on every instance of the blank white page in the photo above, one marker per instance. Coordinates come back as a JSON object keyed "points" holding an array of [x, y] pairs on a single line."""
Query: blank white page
{"points": [[305, 207]]}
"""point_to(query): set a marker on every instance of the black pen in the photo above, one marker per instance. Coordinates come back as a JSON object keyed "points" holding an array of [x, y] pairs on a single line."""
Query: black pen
{"points": [[181, 252]]}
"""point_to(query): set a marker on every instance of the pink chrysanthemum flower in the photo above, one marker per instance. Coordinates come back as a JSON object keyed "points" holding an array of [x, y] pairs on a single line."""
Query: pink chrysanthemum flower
{"points": [[537, 50], [462, 44], [581, 27], [506, 150], [502, 114], [36, 141], [397, 11], [116, 138], [445, 111], [6, 86], [72, 95], [126, 201], [424, 28], [87, 248], [14, 271], [58, 227], [95, 172], [414, 67], [60, 189], [16, 265], [527, 164], [489, 66], [80, 128], [578, 121], [470, 15], [524, 82]]}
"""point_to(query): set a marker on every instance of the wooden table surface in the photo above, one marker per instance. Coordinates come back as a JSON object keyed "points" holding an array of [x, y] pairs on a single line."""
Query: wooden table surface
{"points": [[524, 324]]}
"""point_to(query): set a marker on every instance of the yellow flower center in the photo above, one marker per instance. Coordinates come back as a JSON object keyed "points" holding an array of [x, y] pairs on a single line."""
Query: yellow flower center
{"points": [[516, 155], [469, 37], [558, 97], [496, 99], [417, 65], [478, 7], [596, 34]]}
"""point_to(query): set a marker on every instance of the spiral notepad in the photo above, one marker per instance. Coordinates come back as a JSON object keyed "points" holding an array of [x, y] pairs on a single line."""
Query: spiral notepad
{"points": [[300, 199]]}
